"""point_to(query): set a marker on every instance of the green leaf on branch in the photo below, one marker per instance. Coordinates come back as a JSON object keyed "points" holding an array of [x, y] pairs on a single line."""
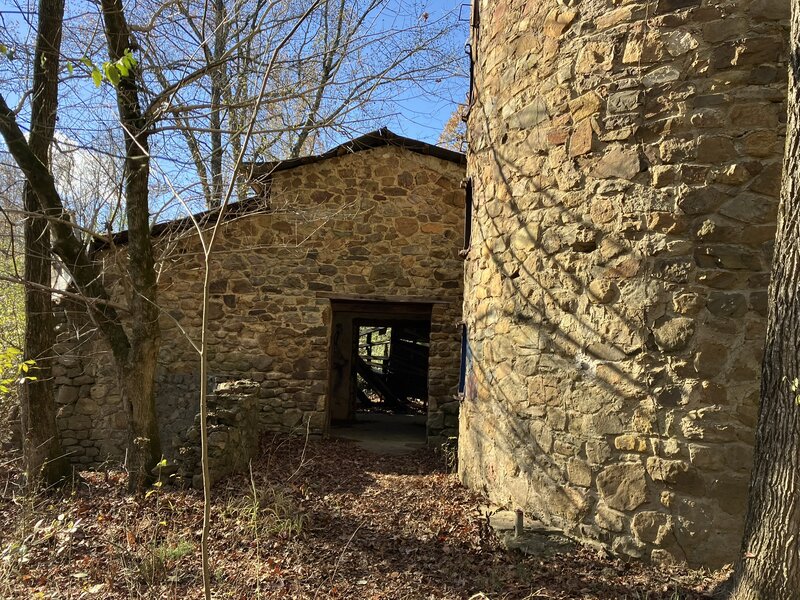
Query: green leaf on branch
{"points": [[112, 73], [126, 63], [14, 371]]}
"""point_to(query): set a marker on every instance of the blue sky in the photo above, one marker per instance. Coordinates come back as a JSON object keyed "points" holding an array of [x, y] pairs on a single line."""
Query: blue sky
{"points": [[420, 112], [426, 111]]}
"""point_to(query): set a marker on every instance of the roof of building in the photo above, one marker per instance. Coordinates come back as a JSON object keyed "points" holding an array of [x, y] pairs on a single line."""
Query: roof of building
{"points": [[262, 170], [374, 139]]}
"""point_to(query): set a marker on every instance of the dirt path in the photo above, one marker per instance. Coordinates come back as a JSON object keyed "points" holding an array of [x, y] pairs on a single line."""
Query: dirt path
{"points": [[323, 520]]}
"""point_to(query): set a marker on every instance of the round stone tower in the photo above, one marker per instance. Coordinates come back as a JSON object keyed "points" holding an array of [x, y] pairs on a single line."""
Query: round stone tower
{"points": [[625, 162]]}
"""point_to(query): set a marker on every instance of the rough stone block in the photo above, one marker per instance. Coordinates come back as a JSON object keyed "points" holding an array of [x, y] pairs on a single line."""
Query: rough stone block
{"points": [[643, 49], [725, 257], [715, 149], [609, 519], [731, 494], [597, 451], [688, 303], [581, 140], [727, 305], [602, 291], [651, 526], [625, 101], [618, 162], [557, 22], [623, 486], [673, 335], [679, 43], [669, 6], [595, 56], [710, 359], [707, 425], [661, 75], [761, 143], [67, 394], [579, 473], [630, 443], [768, 183], [584, 106], [696, 201], [668, 471], [530, 116], [724, 29], [754, 115]]}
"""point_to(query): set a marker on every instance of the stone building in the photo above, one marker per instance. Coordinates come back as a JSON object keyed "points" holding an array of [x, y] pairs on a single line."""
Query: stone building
{"points": [[368, 233], [624, 163]]}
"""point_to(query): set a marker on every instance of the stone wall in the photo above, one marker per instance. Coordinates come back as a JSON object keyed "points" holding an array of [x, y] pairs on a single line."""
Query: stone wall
{"points": [[233, 435], [90, 419], [385, 223], [625, 159]]}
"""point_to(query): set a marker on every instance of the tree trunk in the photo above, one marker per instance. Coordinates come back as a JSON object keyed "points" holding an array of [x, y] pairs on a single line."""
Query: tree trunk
{"points": [[44, 460], [136, 354], [138, 381], [769, 565], [218, 82], [138, 368]]}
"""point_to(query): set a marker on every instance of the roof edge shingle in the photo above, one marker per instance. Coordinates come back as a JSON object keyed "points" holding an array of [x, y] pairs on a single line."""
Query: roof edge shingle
{"points": [[375, 139]]}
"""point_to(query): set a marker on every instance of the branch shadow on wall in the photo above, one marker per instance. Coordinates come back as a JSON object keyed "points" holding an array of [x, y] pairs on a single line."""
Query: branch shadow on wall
{"points": [[568, 319]]}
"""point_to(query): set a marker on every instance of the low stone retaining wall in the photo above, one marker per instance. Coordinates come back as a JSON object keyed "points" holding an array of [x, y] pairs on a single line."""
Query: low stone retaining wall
{"points": [[233, 435]]}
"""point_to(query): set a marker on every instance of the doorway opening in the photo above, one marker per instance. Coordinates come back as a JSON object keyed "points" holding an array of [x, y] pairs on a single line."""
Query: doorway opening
{"points": [[378, 386], [391, 366]]}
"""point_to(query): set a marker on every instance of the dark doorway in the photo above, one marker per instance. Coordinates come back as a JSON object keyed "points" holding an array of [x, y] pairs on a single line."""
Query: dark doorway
{"points": [[379, 355], [391, 365]]}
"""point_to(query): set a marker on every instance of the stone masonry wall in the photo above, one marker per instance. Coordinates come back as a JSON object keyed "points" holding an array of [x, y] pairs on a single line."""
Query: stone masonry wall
{"points": [[625, 159], [233, 435], [384, 222], [90, 419]]}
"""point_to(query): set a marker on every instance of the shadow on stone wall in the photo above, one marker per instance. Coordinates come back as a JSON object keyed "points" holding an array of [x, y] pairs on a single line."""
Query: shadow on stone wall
{"points": [[615, 350]]}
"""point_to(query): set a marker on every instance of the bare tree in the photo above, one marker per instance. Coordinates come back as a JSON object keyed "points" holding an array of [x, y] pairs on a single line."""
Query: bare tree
{"points": [[90, 181], [43, 458], [454, 132], [136, 353], [342, 72]]}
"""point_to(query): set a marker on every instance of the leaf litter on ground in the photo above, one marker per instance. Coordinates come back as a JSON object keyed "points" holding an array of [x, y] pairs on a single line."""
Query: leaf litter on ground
{"points": [[317, 519]]}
